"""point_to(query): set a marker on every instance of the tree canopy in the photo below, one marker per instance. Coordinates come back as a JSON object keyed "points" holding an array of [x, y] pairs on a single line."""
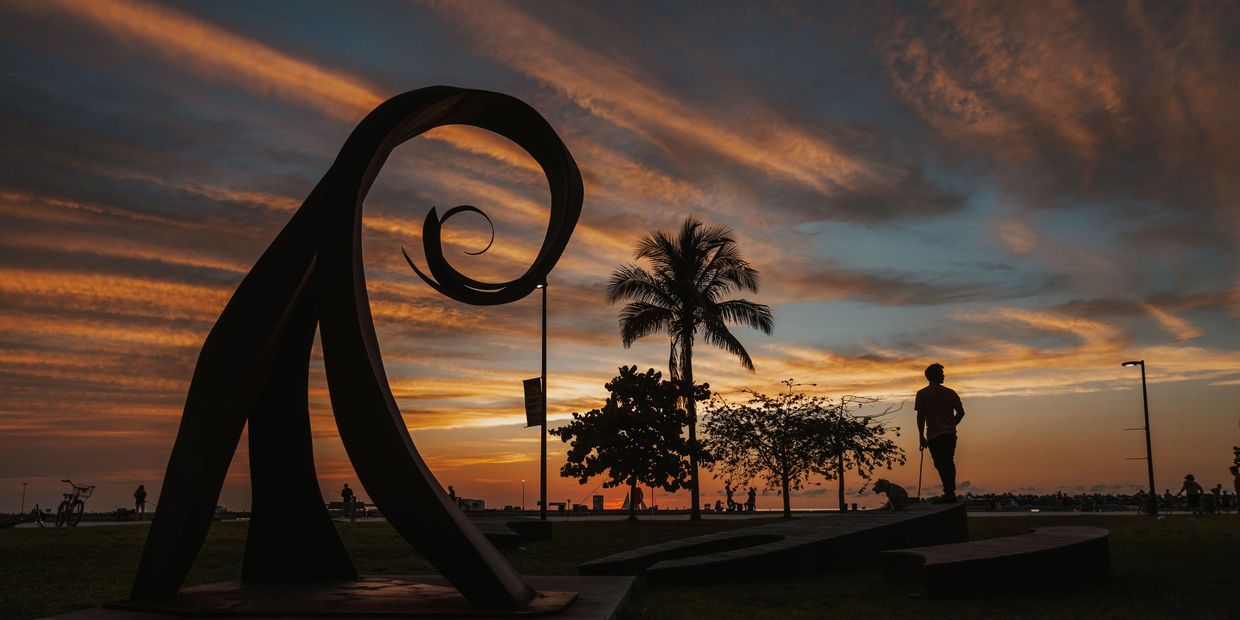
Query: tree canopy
{"points": [[860, 442], [785, 439], [635, 438]]}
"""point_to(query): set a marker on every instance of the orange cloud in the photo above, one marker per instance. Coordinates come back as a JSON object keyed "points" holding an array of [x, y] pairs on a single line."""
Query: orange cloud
{"points": [[1180, 328], [221, 55], [1005, 73], [1017, 236], [618, 92]]}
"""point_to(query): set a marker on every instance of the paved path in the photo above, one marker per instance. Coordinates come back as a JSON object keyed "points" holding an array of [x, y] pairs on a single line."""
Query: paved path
{"points": [[793, 546], [1047, 556]]}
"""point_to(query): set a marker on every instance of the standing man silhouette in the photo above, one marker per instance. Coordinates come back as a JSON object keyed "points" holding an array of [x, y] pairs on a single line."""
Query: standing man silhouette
{"points": [[139, 502], [938, 413], [347, 496]]}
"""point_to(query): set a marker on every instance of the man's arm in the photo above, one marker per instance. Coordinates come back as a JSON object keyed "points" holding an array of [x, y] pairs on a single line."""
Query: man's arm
{"points": [[959, 413]]}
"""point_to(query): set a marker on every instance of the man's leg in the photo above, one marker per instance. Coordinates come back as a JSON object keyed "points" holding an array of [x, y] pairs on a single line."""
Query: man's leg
{"points": [[943, 453]]}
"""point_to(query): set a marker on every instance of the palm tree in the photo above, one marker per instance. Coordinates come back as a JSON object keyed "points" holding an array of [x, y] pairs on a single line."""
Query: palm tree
{"points": [[682, 295]]}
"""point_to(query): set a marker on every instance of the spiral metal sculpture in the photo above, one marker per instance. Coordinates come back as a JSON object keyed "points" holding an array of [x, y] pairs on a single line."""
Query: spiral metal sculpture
{"points": [[254, 364]]}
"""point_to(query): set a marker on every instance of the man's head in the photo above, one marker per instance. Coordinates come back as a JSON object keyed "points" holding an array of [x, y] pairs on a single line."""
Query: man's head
{"points": [[934, 373]]}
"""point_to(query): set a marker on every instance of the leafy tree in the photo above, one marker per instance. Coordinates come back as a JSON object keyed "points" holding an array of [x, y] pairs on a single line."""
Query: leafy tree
{"points": [[683, 294], [635, 439], [781, 440], [859, 441], [785, 439]]}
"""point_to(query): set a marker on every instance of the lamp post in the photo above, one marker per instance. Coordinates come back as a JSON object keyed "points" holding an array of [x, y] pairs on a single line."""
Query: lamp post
{"points": [[789, 383], [542, 436], [23, 498], [522, 496], [1149, 451]]}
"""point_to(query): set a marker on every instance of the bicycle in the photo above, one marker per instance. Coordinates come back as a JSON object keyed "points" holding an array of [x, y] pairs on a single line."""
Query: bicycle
{"points": [[71, 508]]}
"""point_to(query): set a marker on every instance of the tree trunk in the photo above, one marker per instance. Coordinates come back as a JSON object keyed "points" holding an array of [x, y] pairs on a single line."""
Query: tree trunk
{"points": [[840, 467], [695, 512], [787, 497]]}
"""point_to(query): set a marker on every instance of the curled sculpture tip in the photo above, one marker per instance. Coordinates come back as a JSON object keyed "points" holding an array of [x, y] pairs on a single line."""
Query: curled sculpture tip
{"points": [[444, 218], [472, 209]]}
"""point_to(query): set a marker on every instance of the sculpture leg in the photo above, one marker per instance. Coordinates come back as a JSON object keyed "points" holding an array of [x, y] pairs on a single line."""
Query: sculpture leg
{"points": [[232, 370], [291, 536]]}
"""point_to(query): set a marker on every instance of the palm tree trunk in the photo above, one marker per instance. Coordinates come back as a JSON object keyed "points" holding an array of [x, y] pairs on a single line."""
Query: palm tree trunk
{"points": [[695, 512]]}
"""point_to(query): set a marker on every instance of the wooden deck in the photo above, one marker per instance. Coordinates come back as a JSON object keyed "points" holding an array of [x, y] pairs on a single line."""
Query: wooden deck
{"points": [[1046, 557], [807, 544]]}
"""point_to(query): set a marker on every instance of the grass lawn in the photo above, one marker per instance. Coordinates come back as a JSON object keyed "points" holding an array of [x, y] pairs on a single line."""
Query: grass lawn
{"points": [[1177, 567]]}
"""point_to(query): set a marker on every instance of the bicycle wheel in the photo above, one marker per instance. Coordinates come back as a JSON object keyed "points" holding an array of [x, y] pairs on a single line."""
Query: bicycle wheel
{"points": [[62, 513], [75, 513]]}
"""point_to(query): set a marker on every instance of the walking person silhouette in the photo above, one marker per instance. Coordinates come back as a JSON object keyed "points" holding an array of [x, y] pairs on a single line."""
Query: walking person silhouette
{"points": [[939, 412]]}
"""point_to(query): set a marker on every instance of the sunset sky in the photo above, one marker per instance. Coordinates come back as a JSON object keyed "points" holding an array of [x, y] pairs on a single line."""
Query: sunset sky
{"points": [[1027, 192]]}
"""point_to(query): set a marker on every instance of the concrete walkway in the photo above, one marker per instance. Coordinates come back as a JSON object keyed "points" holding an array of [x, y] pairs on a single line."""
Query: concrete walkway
{"points": [[795, 546]]}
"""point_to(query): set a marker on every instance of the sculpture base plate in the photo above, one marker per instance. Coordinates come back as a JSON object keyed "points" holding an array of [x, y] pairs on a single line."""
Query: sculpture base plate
{"points": [[394, 596]]}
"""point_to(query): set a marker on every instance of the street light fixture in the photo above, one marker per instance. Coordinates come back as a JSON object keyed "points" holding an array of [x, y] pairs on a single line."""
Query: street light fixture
{"points": [[522, 496], [790, 385], [1149, 451], [542, 437]]}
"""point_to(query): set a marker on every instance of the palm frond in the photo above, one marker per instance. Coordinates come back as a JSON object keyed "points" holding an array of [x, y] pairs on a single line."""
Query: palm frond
{"points": [[747, 313], [638, 320], [630, 282], [716, 333]]}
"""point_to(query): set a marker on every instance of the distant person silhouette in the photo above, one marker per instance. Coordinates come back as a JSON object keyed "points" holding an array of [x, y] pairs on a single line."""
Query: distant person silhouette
{"points": [[1235, 478], [939, 411], [1194, 491], [727, 488], [346, 495], [751, 504], [139, 501], [451, 493]]}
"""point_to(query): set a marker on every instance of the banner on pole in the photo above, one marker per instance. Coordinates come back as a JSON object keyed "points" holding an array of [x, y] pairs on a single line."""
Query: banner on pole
{"points": [[534, 413]]}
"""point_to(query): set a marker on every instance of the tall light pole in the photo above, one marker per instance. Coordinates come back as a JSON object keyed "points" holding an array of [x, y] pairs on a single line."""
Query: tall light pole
{"points": [[789, 383], [522, 496], [23, 498], [542, 436], [1149, 451]]}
